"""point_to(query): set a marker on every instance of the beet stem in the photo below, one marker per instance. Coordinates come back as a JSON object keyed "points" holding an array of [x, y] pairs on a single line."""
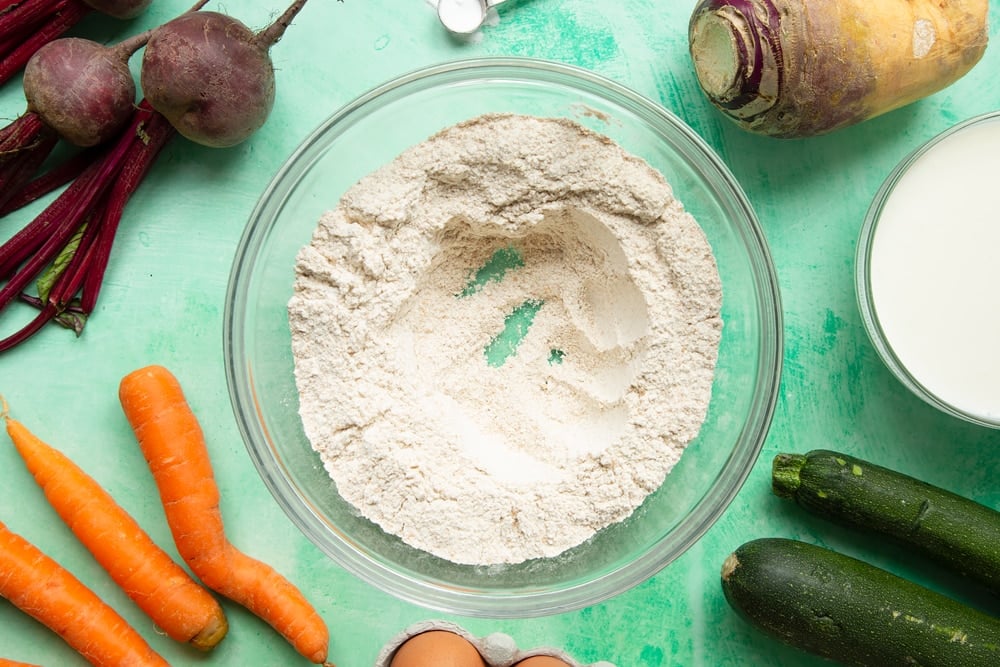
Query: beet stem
{"points": [[69, 14], [24, 15], [48, 250], [125, 48], [19, 18], [47, 313], [22, 134], [72, 275], [50, 180], [97, 199], [71, 308], [151, 134], [270, 35], [70, 210], [128, 47], [24, 146], [30, 238]]}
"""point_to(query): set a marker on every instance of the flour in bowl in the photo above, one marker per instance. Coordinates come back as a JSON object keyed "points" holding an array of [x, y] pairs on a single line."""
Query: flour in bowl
{"points": [[505, 338]]}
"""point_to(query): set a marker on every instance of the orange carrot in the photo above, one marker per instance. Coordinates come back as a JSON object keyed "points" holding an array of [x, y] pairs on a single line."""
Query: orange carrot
{"points": [[43, 589], [174, 447], [4, 662], [184, 610]]}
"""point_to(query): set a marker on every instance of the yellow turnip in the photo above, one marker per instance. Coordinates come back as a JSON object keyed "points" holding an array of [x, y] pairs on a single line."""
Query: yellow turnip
{"points": [[797, 68]]}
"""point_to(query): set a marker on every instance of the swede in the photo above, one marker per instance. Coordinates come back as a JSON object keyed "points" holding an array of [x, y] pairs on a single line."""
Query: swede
{"points": [[211, 76], [798, 68]]}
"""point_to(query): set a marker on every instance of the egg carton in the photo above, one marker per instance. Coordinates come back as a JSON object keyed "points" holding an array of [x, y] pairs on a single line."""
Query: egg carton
{"points": [[498, 649]]}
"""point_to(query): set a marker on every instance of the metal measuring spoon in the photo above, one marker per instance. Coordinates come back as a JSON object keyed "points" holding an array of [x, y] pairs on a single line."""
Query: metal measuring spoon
{"points": [[464, 16]]}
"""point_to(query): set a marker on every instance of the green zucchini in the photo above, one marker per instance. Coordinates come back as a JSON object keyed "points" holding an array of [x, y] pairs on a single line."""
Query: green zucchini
{"points": [[849, 611], [957, 532]]}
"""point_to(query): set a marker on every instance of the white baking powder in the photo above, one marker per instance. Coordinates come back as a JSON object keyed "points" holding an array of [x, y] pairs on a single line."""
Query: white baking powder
{"points": [[461, 15], [484, 448]]}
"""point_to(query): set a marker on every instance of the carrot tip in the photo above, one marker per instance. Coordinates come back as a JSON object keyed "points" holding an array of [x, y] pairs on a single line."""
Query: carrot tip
{"points": [[208, 638]]}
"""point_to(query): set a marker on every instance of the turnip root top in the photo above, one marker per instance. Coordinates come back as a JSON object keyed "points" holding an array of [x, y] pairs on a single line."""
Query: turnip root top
{"points": [[794, 68]]}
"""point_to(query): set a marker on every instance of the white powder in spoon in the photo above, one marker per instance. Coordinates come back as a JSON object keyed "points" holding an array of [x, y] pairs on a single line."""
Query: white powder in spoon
{"points": [[486, 452]]}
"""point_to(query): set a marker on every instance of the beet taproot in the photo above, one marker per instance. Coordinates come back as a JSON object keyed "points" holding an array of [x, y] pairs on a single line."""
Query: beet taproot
{"points": [[211, 76], [83, 90], [76, 90]]}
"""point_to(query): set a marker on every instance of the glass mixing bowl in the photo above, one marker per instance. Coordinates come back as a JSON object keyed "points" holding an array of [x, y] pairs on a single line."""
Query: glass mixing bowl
{"points": [[370, 132]]}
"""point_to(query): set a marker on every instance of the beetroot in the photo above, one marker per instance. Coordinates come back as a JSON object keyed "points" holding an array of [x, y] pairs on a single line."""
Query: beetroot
{"points": [[66, 248], [212, 76], [76, 89], [81, 89]]}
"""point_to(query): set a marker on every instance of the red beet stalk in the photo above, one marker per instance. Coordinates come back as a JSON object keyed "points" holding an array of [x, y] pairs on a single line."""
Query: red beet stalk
{"points": [[76, 90], [27, 26], [24, 146], [69, 243], [37, 185]]}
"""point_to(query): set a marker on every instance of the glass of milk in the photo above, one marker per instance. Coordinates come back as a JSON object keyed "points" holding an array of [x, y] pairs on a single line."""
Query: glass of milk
{"points": [[928, 271]]}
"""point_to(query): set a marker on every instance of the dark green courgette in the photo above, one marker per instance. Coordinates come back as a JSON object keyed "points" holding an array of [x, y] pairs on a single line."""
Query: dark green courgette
{"points": [[957, 532], [844, 609]]}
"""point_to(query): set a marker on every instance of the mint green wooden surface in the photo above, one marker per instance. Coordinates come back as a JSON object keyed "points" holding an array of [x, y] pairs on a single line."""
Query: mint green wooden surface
{"points": [[163, 303]]}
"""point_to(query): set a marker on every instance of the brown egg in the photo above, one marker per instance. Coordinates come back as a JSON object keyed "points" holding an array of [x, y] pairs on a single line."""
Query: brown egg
{"points": [[542, 661], [437, 648]]}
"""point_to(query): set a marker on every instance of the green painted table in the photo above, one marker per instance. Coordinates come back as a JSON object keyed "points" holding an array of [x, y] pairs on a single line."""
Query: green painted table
{"points": [[163, 303]]}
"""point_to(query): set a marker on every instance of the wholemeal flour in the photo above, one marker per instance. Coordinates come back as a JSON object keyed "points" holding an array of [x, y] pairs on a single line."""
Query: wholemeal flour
{"points": [[505, 338]]}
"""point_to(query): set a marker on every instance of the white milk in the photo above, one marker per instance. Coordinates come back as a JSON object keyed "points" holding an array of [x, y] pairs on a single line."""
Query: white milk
{"points": [[935, 270]]}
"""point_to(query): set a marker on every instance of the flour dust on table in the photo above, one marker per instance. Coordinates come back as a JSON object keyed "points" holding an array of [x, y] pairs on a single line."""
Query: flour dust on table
{"points": [[505, 338]]}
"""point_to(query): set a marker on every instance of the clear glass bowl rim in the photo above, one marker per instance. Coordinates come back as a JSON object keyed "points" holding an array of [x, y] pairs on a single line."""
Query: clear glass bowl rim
{"points": [[862, 275], [715, 501]]}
